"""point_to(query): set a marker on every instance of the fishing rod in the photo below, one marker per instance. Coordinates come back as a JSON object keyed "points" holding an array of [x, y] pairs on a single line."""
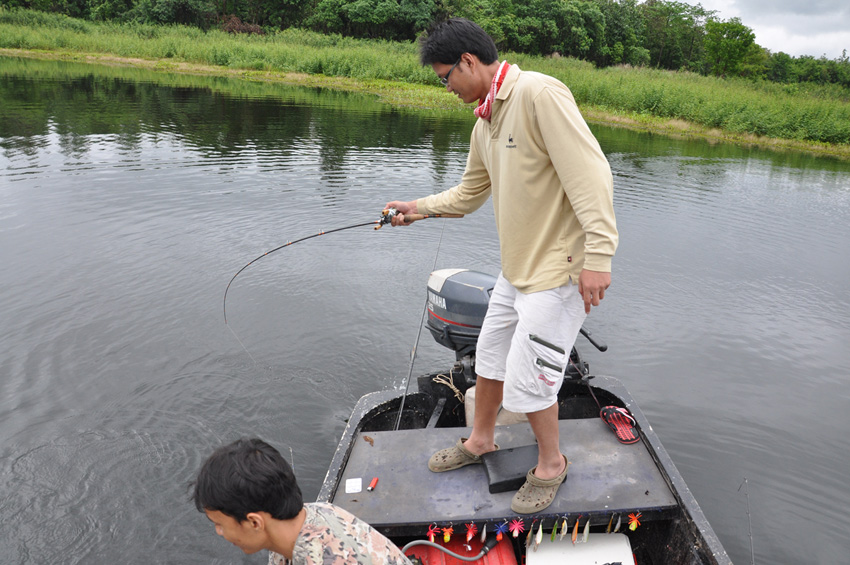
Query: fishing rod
{"points": [[386, 218]]}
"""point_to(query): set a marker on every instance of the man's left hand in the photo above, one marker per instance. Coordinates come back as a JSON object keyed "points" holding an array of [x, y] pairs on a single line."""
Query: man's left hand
{"points": [[591, 286]]}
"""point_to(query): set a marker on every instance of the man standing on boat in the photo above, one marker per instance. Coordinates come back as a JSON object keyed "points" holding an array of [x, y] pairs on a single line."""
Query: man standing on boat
{"points": [[552, 192]]}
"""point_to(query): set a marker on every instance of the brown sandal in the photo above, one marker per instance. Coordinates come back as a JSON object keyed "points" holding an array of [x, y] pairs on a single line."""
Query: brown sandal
{"points": [[537, 494], [453, 458]]}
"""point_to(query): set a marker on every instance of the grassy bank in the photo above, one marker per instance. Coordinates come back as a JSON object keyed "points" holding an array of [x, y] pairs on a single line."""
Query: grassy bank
{"points": [[807, 118]]}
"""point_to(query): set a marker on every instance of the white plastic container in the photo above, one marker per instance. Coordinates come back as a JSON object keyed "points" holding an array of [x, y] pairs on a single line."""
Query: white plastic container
{"points": [[504, 418], [599, 549]]}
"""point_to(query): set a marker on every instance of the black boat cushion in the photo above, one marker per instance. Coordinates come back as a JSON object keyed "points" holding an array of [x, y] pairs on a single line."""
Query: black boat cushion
{"points": [[506, 469]]}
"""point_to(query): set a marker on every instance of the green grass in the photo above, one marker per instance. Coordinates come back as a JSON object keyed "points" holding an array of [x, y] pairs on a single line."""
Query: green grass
{"points": [[288, 51], [733, 109]]}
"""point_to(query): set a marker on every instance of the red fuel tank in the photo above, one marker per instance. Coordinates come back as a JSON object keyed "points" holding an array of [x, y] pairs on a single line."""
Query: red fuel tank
{"points": [[502, 554]]}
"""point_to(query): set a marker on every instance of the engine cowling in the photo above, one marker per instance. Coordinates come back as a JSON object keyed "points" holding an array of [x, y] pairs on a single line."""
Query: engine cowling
{"points": [[457, 304]]}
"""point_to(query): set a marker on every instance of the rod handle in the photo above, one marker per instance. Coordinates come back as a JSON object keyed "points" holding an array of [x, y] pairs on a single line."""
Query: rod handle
{"points": [[416, 217]]}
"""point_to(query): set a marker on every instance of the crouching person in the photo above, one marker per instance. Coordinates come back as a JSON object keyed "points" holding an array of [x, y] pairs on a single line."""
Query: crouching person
{"points": [[248, 490]]}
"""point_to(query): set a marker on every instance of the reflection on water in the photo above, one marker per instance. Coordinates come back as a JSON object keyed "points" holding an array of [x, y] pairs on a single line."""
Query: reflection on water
{"points": [[130, 198]]}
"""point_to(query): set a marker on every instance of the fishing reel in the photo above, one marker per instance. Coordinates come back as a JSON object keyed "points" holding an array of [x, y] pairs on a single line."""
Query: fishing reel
{"points": [[386, 217], [390, 213]]}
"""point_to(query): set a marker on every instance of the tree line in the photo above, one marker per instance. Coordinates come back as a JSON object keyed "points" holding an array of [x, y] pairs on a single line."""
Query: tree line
{"points": [[664, 34]]}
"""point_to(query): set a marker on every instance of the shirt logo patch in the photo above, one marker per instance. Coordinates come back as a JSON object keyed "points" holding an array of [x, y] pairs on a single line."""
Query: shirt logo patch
{"points": [[511, 144]]}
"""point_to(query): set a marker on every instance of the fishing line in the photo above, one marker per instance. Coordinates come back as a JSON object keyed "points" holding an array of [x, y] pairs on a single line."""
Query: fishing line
{"points": [[746, 486], [240, 343], [416, 343], [292, 459]]}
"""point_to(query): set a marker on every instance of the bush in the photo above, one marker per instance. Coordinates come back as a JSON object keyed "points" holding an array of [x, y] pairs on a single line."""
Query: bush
{"points": [[232, 24]]}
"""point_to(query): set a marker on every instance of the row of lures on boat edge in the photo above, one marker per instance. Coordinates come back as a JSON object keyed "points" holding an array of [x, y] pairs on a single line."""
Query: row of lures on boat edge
{"points": [[517, 526]]}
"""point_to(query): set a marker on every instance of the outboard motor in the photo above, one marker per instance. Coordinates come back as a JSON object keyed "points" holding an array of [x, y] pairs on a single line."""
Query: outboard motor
{"points": [[457, 303]]}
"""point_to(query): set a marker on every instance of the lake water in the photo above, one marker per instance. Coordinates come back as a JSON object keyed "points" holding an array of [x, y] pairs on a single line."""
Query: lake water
{"points": [[128, 199]]}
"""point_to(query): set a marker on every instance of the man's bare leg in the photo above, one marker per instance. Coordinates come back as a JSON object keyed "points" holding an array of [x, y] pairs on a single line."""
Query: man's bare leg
{"points": [[544, 423], [488, 399]]}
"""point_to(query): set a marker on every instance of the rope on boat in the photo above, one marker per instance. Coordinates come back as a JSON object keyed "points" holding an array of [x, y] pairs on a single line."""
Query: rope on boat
{"points": [[449, 382]]}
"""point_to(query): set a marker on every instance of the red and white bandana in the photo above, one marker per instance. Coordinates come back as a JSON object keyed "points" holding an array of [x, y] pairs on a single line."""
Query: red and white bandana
{"points": [[483, 110]]}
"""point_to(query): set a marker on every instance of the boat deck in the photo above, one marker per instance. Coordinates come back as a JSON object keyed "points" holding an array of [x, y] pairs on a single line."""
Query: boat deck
{"points": [[604, 477]]}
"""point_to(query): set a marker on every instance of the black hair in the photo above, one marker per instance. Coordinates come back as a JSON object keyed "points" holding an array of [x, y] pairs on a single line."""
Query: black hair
{"points": [[447, 41], [246, 476]]}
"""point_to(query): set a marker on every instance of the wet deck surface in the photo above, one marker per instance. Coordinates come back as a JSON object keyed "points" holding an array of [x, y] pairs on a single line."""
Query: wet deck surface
{"points": [[605, 476]]}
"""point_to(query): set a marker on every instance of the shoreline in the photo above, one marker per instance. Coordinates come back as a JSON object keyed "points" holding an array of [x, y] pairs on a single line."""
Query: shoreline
{"points": [[415, 96]]}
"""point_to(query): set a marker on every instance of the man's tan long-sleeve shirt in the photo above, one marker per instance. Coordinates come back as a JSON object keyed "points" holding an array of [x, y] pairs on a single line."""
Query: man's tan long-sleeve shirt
{"points": [[551, 185]]}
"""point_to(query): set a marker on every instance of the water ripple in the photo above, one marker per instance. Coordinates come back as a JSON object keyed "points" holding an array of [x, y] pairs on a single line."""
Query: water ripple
{"points": [[122, 222]]}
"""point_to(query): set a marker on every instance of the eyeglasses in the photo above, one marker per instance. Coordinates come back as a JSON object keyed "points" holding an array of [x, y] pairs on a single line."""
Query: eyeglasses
{"points": [[445, 79]]}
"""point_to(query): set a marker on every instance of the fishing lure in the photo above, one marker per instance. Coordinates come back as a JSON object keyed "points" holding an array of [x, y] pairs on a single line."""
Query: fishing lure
{"points": [[433, 530], [539, 536], [517, 526], [563, 529], [483, 532], [619, 521], [447, 533], [586, 531], [530, 534], [634, 522], [471, 530], [501, 529], [610, 524], [575, 529], [554, 531]]}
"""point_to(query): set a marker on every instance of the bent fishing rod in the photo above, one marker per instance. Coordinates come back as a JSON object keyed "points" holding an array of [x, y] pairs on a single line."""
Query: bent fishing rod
{"points": [[386, 218]]}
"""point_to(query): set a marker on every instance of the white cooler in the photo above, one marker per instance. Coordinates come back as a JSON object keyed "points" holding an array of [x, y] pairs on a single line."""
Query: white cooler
{"points": [[599, 549]]}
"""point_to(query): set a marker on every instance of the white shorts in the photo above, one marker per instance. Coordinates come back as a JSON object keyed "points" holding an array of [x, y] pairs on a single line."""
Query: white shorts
{"points": [[525, 341]]}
